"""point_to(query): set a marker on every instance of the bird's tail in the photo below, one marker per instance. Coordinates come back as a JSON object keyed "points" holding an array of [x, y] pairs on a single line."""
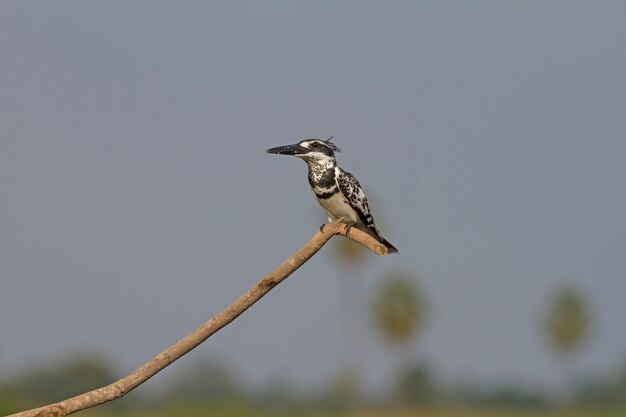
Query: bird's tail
{"points": [[390, 247], [373, 232]]}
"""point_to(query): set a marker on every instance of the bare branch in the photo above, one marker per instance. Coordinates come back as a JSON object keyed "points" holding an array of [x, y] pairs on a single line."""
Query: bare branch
{"points": [[123, 386]]}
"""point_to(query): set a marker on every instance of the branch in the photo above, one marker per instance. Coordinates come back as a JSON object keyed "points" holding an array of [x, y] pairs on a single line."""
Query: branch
{"points": [[123, 386]]}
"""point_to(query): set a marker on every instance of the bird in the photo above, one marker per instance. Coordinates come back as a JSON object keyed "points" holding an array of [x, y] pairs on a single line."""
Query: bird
{"points": [[337, 191]]}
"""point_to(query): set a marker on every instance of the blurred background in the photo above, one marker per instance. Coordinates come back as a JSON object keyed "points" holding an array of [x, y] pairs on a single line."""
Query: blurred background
{"points": [[137, 201]]}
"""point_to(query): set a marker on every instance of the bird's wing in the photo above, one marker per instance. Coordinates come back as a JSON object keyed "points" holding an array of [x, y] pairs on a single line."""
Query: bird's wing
{"points": [[352, 191]]}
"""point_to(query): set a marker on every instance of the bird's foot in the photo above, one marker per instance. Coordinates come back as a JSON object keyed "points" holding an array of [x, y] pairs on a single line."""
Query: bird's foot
{"points": [[322, 227]]}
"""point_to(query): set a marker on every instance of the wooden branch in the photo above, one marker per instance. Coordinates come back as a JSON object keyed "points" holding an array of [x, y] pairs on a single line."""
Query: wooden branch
{"points": [[123, 386]]}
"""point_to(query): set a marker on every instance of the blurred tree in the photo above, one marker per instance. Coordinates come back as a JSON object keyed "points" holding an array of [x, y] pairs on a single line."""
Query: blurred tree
{"points": [[567, 321], [348, 252], [501, 395], [399, 309], [418, 386], [351, 257], [400, 313], [604, 391], [67, 378], [10, 401], [204, 383], [566, 326]]}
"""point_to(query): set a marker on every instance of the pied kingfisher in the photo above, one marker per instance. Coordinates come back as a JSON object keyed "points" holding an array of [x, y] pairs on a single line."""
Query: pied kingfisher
{"points": [[336, 190]]}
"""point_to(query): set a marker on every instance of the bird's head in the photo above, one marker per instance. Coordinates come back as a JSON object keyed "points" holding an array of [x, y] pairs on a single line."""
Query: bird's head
{"points": [[312, 151]]}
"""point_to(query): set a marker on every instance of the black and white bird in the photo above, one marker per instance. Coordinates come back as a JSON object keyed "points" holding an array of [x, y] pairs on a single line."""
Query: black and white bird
{"points": [[336, 190]]}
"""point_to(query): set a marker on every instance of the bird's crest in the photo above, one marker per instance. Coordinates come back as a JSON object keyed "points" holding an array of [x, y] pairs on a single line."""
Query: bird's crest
{"points": [[331, 145]]}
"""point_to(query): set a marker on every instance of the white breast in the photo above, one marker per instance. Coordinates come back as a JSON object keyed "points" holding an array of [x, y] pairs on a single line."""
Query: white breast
{"points": [[336, 207]]}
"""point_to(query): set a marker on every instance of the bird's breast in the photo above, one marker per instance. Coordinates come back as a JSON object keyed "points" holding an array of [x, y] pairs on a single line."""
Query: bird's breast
{"points": [[336, 206]]}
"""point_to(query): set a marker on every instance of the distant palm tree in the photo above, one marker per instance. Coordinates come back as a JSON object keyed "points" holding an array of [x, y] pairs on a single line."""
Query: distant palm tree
{"points": [[349, 252], [351, 257], [400, 313], [566, 326]]}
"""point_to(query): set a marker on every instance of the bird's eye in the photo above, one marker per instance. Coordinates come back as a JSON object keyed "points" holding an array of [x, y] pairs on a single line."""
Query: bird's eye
{"points": [[314, 145]]}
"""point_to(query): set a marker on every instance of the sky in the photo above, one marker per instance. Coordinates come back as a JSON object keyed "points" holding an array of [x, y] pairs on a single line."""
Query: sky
{"points": [[137, 201]]}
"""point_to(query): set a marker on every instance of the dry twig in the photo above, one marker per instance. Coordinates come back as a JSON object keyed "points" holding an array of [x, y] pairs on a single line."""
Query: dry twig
{"points": [[123, 386]]}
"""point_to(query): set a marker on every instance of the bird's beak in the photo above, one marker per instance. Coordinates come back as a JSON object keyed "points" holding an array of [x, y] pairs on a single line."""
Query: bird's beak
{"points": [[293, 150]]}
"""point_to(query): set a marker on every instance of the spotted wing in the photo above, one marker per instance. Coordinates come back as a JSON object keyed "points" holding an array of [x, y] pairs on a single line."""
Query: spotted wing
{"points": [[352, 191]]}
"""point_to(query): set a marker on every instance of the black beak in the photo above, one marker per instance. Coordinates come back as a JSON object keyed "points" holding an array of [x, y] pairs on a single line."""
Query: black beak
{"points": [[293, 150]]}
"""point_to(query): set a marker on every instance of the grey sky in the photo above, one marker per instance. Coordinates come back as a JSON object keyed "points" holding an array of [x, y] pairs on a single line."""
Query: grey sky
{"points": [[137, 200]]}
